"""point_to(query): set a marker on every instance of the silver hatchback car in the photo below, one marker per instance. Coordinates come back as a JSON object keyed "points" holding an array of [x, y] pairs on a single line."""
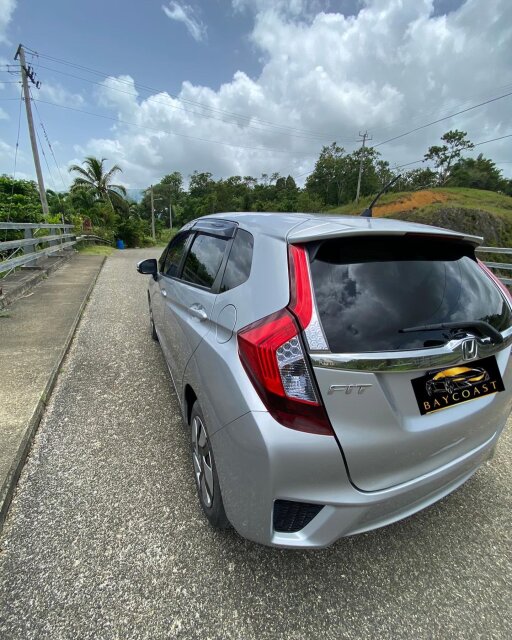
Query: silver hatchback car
{"points": [[337, 373]]}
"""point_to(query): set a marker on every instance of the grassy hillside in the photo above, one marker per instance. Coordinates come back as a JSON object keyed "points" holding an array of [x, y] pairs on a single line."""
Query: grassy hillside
{"points": [[483, 213]]}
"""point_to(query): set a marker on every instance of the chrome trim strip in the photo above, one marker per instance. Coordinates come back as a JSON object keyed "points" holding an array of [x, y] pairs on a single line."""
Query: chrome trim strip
{"points": [[449, 355]]}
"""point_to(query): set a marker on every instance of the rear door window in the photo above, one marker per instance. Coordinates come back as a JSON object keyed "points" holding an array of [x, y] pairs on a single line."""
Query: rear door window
{"points": [[238, 267], [204, 259], [368, 289]]}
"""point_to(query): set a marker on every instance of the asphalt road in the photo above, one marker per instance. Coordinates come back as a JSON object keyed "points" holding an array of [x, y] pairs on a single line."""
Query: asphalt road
{"points": [[105, 538]]}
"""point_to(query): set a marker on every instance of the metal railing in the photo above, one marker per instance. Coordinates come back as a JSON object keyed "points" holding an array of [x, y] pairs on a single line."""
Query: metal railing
{"points": [[28, 250], [91, 236], [498, 266]]}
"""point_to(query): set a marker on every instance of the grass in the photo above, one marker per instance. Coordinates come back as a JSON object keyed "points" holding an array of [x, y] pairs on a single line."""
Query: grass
{"points": [[474, 211], [96, 249], [433, 200]]}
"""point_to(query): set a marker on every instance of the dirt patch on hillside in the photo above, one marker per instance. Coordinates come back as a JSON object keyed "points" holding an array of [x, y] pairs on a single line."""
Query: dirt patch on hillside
{"points": [[410, 202]]}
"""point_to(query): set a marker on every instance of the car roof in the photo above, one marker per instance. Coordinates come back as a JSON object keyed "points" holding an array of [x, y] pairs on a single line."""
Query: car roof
{"points": [[305, 227]]}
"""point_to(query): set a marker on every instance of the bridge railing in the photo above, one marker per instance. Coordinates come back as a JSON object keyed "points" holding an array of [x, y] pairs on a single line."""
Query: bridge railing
{"points": [[28, 250], [498, 266]]}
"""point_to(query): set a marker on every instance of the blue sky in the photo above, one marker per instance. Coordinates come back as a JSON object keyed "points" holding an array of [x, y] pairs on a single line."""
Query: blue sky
{"points": [[251, 86]]}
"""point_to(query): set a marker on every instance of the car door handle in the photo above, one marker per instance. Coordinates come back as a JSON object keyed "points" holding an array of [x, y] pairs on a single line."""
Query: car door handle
{"points": [[163, 292], [198, 312]]}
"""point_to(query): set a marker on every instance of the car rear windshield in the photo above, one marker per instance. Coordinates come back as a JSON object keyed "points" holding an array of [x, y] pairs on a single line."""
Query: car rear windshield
{"points": [[368, 289]]}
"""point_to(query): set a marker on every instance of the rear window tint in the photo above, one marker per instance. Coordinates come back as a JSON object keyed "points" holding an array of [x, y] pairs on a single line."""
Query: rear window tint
{"points": [[238, 267], [367, 289], [203, 260]]}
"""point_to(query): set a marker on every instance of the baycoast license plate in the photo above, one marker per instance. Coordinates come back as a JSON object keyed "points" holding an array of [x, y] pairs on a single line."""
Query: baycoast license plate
{"points": [[444, 388]]}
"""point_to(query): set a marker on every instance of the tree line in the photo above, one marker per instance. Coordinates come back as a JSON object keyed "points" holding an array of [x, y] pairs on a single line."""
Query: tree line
{"points": [[95, 199]]}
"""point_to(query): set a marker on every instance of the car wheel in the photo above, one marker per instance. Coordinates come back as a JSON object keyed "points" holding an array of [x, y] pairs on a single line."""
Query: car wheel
{"points": [[205, 472], [154, 334]]}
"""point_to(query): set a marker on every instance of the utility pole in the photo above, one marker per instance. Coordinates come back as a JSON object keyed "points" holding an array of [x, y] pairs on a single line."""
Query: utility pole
{"points": [[27, 74], [153, 214], [170, 211], [364, 137]]}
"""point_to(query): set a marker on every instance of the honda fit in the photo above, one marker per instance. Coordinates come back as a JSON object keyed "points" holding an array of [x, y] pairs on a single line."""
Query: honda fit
{"points": [[336, 374]]}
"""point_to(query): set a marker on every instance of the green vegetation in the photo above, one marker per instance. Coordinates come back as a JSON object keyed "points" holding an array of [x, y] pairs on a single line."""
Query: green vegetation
{"points": [[95, 249], [457, 191], [433, 199], [474, 211]]}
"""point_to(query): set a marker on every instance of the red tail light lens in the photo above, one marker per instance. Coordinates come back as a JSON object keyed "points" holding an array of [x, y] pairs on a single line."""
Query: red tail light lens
{"points": [[272, 353]]}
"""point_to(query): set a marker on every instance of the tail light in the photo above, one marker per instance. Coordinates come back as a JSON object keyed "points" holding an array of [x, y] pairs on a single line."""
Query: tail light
{"points": [[272, 353], [496, 281]]}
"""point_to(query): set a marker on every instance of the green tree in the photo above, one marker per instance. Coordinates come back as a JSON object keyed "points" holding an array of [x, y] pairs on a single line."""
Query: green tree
{"points": [[327, 178], [446, 155], [168, 191], [93, 178], [19, 200], [415, 179], [477, 173]]}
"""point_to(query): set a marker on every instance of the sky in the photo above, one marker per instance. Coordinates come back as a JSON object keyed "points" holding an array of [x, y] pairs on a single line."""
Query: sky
{"points": [[245, 87]]}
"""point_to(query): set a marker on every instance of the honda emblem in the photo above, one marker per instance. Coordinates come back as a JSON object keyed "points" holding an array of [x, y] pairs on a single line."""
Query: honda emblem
{"points": [[469, 349]]}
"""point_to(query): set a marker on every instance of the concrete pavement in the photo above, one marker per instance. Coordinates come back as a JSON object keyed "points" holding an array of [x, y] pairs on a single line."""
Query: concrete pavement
{"points": [[105, 538], [35, 333]]}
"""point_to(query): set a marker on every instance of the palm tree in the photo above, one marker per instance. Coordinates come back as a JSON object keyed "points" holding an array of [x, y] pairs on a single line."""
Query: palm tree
{"points": [[93, 178]]}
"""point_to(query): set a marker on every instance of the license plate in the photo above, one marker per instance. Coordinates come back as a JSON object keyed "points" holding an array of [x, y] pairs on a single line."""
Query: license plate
{"points": [[445, 388]]}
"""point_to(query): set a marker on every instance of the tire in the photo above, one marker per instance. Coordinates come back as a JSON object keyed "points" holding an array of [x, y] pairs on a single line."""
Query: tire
{"points": [[154, 334], [205, 471]]}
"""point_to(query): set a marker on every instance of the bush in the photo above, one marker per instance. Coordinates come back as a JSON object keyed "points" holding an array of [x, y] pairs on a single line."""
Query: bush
{"points": [[133, 232]]}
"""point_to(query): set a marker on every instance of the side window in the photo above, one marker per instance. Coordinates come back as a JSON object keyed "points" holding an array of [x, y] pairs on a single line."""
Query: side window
{"points": [[204, 260], [174, 254], [238, 267]]}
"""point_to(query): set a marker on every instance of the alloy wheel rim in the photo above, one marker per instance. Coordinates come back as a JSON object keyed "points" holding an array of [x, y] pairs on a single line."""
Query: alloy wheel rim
{"points": [[203, 464]]}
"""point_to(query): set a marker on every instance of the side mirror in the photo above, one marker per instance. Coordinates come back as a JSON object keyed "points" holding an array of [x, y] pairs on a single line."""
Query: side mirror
{"points": [[148, 267]]}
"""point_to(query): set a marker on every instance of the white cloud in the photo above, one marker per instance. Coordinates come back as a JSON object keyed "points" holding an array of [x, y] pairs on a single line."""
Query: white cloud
{"points": [[325, 76], [185, 14], [59, 95], [7, 8]]}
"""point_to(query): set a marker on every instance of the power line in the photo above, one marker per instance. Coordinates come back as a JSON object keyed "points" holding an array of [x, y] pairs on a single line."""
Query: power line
{"points": [[48, 143], [408, 164], [15, 157], [168, 131], [167, 102], [509, 135], [239, 116], [429, 124], [477, 144], [422, 115]]}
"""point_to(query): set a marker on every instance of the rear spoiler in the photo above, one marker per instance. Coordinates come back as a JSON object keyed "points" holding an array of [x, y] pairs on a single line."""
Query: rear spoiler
{"points": [[314, 230]]}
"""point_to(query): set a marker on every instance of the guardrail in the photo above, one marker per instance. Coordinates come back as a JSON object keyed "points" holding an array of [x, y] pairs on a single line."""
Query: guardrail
{"points": [[91, 236], [498, 266], [33, 247]]}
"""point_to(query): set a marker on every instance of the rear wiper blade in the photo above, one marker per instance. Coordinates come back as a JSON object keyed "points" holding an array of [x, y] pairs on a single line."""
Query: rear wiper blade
{"points": [[483, 327]]}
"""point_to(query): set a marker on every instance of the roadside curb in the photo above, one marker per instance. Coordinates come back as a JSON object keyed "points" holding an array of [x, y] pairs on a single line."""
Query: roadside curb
{"points": [[9, 486]]}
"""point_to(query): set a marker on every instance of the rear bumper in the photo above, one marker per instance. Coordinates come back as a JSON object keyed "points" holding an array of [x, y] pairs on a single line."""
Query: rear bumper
{"points": [[260, 461]]}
